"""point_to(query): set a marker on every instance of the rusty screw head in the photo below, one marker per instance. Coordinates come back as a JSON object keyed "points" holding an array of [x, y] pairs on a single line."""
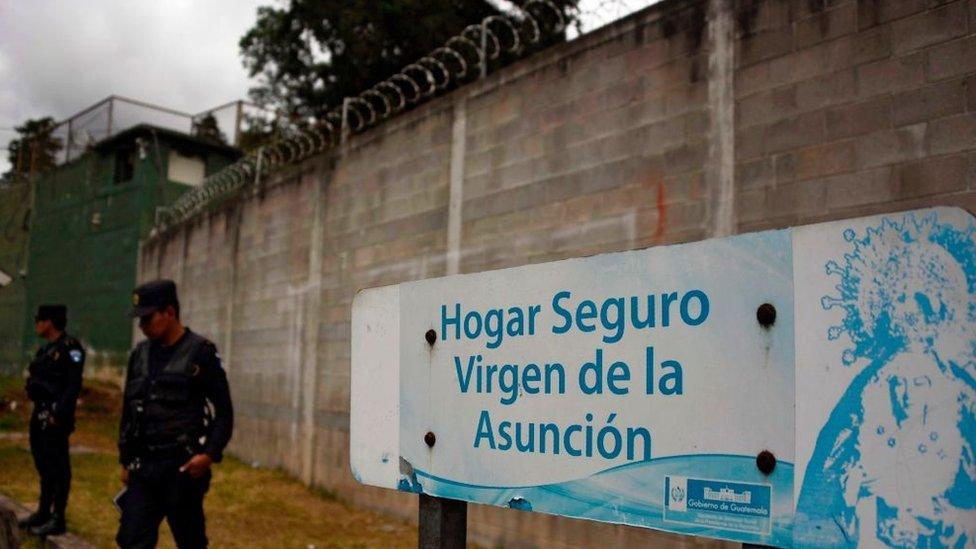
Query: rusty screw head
{"points": [[766, 315], [766, 462], [430, 336], [430, 439]]}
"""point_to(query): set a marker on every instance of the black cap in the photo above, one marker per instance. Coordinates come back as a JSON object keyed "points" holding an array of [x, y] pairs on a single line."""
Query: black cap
{"points": [[56, 313], [153, 296]]}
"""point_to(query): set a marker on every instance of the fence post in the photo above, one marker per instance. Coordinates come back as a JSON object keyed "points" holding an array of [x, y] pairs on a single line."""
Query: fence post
{"points": [[344, 128], [237, 123], [257, 171], [484, 49], [67, 145], [443, 523], [111, 108]]}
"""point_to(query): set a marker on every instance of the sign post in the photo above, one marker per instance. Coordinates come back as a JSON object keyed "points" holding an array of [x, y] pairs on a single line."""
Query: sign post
{"points": [[443, 523], [801, 387]]}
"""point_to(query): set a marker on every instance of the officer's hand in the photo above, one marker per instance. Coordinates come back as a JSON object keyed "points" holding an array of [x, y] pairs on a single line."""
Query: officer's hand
{"points": [[197, 466], [124, 477]]}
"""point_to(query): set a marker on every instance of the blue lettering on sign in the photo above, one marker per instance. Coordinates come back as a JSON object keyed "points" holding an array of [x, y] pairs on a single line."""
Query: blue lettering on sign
{"points": [[508, 379], [494, 324], [604, 439], [610, 317]]}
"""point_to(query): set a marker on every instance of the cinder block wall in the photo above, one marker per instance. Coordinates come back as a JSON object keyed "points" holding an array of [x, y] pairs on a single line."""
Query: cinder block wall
{"points": [[853, 108], [688, 120]]}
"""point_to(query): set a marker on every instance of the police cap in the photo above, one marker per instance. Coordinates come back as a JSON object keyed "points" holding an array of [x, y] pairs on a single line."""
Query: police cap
{"points": [[153, 296], [56, 313]]}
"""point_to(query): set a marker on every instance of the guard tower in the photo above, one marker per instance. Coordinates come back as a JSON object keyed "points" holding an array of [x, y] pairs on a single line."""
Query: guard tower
{"points": [[122, 159]]}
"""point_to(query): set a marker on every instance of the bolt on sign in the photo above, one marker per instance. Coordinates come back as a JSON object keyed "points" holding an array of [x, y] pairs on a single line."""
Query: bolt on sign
{"points": [[813, 386]]}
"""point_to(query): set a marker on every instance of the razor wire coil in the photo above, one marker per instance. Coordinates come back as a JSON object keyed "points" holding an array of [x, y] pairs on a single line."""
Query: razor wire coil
{"points": [[449, 64]]}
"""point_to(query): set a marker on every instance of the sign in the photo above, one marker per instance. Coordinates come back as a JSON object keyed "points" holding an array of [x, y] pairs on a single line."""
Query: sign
{"points": [[810, 386]]}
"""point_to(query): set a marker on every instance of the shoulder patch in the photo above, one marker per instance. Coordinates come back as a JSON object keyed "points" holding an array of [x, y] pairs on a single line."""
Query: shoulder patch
{"points": [[208, 348], [210, 355], [76, 355]]}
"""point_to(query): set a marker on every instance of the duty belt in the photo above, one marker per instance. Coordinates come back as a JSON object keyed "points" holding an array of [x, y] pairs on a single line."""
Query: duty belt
{"points": [[157, 452]]}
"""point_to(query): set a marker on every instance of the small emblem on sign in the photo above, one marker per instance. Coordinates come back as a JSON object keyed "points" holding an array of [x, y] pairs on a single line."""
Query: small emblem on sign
{"points": [[677, 494]]}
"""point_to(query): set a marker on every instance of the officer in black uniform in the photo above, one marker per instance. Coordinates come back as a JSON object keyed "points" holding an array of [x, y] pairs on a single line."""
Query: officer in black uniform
{"points": [[177, 418], [53, 385]]}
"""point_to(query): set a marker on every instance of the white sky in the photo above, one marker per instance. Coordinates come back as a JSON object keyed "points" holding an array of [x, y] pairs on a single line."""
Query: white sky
{"points": [[60, 56]]}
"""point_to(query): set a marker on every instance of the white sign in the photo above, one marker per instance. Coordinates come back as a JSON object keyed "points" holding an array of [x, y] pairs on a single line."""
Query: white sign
{"points": [[657, 387]]}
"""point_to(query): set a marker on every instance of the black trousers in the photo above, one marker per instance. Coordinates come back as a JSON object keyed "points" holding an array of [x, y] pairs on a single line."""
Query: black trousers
{"points": [[159, 490], [49, 447]]}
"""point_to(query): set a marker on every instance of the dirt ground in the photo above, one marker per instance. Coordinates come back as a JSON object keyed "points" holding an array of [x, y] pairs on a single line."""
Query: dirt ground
{"points": [[245, 507]]}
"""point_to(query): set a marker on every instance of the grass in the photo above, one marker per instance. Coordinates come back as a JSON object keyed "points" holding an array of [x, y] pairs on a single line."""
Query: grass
{"points": [[245, 507], [11, 421]]}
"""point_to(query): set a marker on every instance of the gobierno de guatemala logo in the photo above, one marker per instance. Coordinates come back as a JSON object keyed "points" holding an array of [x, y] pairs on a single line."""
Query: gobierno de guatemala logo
{"points": [[677, 494]]}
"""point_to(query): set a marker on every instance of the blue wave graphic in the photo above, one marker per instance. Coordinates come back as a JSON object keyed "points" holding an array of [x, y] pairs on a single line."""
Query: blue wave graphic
{"points": [[633, 494]]}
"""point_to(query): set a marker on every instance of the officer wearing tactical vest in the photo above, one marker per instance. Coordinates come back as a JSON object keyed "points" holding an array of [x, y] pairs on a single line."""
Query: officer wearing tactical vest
{"points": [[177, 418], [53, 385]]}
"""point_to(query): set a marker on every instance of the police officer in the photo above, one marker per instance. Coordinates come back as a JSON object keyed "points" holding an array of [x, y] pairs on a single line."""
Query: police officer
{"points": [[53, 385], [176, 420]]}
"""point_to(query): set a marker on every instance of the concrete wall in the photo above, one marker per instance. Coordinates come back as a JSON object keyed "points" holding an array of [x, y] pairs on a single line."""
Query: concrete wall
{"points": [[685, 121]]}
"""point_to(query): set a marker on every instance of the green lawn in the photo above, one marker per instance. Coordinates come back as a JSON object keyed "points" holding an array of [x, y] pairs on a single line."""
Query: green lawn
{"points": [[245, 507]]}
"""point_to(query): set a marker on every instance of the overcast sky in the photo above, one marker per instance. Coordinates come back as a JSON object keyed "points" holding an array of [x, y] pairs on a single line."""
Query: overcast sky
{"points": [[60, 56]]}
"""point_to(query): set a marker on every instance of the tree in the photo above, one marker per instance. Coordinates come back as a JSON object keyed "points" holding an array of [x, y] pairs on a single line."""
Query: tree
{"points": [[257, 130], [311, 54], [207, 129], [35, 151]]}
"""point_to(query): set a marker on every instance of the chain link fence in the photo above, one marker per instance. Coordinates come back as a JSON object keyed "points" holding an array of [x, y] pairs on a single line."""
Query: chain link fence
{"points": [[114, 114]]}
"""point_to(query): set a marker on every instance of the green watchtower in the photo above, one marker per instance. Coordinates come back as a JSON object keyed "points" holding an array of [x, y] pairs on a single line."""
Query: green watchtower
{"points": [[88, 216]]}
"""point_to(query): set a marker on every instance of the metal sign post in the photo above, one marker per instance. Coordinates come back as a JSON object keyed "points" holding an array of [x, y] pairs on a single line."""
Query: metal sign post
{"points": [[803, 387], [443, 523]]}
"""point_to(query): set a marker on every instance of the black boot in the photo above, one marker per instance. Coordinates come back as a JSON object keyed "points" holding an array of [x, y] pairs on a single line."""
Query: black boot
{"points": [[54, 526], [36, 518]]}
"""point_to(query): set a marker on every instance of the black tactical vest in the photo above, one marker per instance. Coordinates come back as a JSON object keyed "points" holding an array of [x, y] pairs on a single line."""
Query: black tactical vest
{"points": [[167, 413], [48, 371]]}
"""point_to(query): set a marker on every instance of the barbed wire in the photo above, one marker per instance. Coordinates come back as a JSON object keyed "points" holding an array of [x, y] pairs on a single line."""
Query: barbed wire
{"points": [[448, 65]]}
